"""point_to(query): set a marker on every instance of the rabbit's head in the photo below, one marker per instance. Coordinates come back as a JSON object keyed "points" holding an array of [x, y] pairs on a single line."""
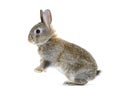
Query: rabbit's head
{"points": [[42, 32]]}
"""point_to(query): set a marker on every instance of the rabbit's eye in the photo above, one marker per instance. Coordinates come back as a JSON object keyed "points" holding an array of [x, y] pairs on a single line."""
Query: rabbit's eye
{"points": [[37, 31]]}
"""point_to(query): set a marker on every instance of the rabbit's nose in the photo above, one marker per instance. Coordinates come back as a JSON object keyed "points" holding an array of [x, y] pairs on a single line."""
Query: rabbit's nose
{"points": [[30, 39]]}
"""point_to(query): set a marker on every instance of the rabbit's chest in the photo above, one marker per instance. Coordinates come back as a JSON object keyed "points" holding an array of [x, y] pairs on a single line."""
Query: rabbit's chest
{"points": [[49, 54]]}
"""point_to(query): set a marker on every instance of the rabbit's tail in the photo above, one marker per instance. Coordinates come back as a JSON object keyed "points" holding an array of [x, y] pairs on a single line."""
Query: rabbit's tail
{"points": [[98, 72]]}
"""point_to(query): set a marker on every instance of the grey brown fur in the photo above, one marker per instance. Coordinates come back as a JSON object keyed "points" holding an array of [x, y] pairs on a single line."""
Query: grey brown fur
{"points": [[73, 61]]}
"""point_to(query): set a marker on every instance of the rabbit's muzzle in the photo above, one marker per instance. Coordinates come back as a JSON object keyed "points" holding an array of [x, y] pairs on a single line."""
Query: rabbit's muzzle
{"points": [[30, 38]]}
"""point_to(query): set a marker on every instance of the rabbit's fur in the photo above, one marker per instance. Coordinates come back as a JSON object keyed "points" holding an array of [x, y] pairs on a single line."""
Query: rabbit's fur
{"points": [[73, 61]]}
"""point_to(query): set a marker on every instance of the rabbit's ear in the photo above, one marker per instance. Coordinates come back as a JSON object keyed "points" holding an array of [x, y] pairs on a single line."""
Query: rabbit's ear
{"points": [[41, 15], [47, 18]]}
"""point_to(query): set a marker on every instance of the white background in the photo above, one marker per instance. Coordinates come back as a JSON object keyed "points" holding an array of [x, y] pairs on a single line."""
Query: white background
{"points": [[91, 24]]}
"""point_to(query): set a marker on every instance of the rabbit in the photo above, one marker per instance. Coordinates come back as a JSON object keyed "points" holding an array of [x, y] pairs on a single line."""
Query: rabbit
{"points": [[73, 61]]}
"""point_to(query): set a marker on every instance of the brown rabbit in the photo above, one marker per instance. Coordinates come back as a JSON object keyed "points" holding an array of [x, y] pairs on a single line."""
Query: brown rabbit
{"points": [[73, 61]]}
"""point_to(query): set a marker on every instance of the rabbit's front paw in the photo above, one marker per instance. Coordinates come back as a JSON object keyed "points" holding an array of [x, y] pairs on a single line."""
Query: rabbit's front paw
{"points": [[39, 69]]}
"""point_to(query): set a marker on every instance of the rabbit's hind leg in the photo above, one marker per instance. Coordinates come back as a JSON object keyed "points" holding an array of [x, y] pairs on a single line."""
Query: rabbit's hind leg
{"points": [[76, 82], [82, 77], [79, 79]]}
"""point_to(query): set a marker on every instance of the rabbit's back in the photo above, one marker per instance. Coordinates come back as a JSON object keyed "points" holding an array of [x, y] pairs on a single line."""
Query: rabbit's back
{"points": [[73, 53]]}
